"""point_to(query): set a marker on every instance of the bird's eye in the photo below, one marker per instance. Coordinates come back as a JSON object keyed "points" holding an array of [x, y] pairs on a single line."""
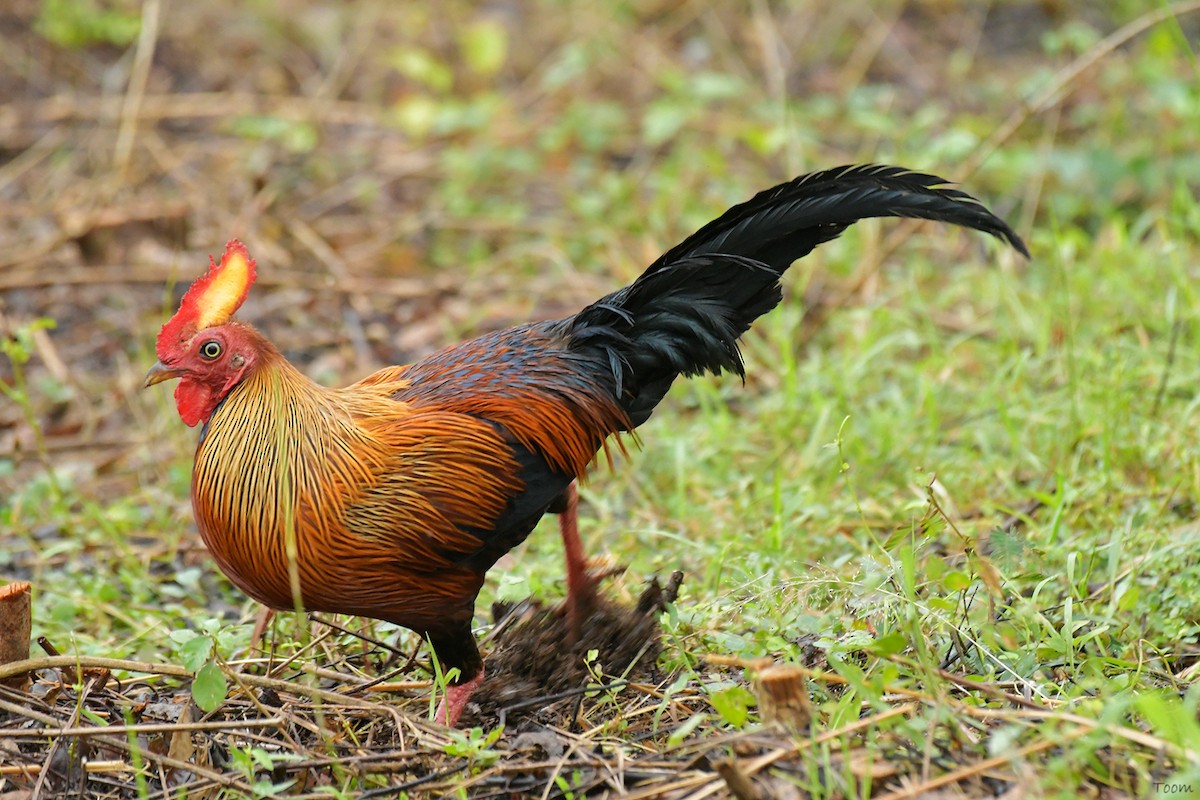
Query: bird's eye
{"points": [[210, 349]]}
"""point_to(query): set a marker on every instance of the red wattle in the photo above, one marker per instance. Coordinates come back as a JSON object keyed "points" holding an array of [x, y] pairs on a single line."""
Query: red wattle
{"points": [[194, 402]]}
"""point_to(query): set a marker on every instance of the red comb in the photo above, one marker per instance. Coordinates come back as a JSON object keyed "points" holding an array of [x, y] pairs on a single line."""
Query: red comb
{"points": [[212, 299]]}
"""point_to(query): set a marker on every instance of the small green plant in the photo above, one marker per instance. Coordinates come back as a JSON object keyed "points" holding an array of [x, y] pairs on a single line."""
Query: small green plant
{"points": [[732, 702], [688, 727], [295, 137], [135, 756], [18, 346], [78, 23], [566, 786], [475, 746], [441, 681], [595, 669], [257, 762], [196, 652]]}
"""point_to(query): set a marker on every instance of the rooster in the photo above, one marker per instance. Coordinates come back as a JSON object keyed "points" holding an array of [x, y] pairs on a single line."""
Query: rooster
{"points": [[391, 498]]}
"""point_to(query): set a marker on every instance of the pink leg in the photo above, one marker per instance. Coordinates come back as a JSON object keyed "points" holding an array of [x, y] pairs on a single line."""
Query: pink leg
{"points": [[455, 700]]}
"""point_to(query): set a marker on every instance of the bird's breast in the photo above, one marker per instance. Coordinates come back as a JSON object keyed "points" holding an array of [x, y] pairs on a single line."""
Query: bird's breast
{"points": [[244, 498]]}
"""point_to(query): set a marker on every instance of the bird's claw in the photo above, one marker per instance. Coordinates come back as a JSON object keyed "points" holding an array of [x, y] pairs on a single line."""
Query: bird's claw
{"points": [[580, 601]]}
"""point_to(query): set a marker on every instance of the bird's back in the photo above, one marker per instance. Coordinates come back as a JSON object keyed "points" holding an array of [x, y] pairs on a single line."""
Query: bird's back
{"points": [[530, 383]]}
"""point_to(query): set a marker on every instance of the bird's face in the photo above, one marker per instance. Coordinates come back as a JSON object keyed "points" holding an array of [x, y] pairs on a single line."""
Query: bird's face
{"points": [[209, 363], [201, 344]]}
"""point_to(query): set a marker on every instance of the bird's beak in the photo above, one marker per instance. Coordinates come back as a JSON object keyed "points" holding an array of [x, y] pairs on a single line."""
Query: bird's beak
{"points": [[160, 372]]}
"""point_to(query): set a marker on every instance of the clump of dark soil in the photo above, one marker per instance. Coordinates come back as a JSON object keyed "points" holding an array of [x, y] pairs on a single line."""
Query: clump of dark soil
{"points": [[536, 672]]}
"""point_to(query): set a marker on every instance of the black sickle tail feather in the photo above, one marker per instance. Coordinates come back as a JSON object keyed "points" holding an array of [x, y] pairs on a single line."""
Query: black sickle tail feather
{"points": [[684, 314]]}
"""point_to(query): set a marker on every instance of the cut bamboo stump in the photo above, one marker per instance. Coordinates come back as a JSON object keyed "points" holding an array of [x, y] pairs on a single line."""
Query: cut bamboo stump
{"points": [[783, 696], [16, 625]]}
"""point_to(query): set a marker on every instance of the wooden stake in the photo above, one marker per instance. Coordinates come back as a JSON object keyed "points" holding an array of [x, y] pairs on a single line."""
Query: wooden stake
{"points": [[737, 781], [16, 625], [783, 695]]}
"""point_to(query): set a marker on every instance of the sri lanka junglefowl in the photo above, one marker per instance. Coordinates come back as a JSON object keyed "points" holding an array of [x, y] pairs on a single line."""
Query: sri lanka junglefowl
{"points": [[392, 498]]}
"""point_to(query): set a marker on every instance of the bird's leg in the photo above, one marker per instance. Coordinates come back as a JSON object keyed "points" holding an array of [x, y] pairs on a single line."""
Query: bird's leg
{"points": [[581, 583], [261, 621], [455, 700], [582, 580]]}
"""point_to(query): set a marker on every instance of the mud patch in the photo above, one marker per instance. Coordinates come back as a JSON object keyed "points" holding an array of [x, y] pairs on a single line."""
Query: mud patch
{"points": [[536, 672]]}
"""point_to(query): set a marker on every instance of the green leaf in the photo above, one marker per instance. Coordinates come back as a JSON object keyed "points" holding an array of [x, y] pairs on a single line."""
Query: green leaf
{"points": [[416, 114], [18, 344], [889, 644], [956, 581], [686, 729], [94, 717], [262, 758], [945, 604], [195, 651], [1162, 41], [78, 23], [1006, 547], [209, 687], [294, 135], [1169, 718], [423, 67], [663, 120], [733, 704], [1128, 597], [716, 86], [182, 636], [484, 46]]}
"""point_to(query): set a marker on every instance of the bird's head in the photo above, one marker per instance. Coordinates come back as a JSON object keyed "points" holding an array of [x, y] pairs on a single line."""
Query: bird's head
{"points": [[202, 345]]}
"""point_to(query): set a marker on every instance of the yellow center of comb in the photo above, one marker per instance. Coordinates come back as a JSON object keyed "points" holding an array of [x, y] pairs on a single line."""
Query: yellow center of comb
{"points": [[224, 293]]}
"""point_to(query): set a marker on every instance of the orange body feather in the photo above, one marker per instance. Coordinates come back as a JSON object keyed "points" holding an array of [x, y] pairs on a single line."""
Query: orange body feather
{"points": [[366, 499]]}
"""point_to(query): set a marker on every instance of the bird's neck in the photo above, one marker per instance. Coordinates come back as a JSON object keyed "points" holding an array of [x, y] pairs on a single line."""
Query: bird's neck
{"points": [[270, 385], [254, 465]]}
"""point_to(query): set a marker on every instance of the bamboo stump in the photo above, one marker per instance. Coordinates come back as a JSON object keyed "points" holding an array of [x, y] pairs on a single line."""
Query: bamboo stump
{"points": [[16, 625], [783, 696]]}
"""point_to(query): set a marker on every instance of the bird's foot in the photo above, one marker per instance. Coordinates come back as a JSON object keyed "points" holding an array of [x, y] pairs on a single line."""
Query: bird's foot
{"points": [[455, 700], [582, 594]]}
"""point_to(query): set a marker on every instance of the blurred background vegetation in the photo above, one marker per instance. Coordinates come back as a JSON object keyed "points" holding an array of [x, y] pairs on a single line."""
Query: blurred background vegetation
{"points": [[411, 173]]}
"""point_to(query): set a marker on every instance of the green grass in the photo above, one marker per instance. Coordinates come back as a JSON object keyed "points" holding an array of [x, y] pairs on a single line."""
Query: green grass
{"points": [[971, 486]]}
